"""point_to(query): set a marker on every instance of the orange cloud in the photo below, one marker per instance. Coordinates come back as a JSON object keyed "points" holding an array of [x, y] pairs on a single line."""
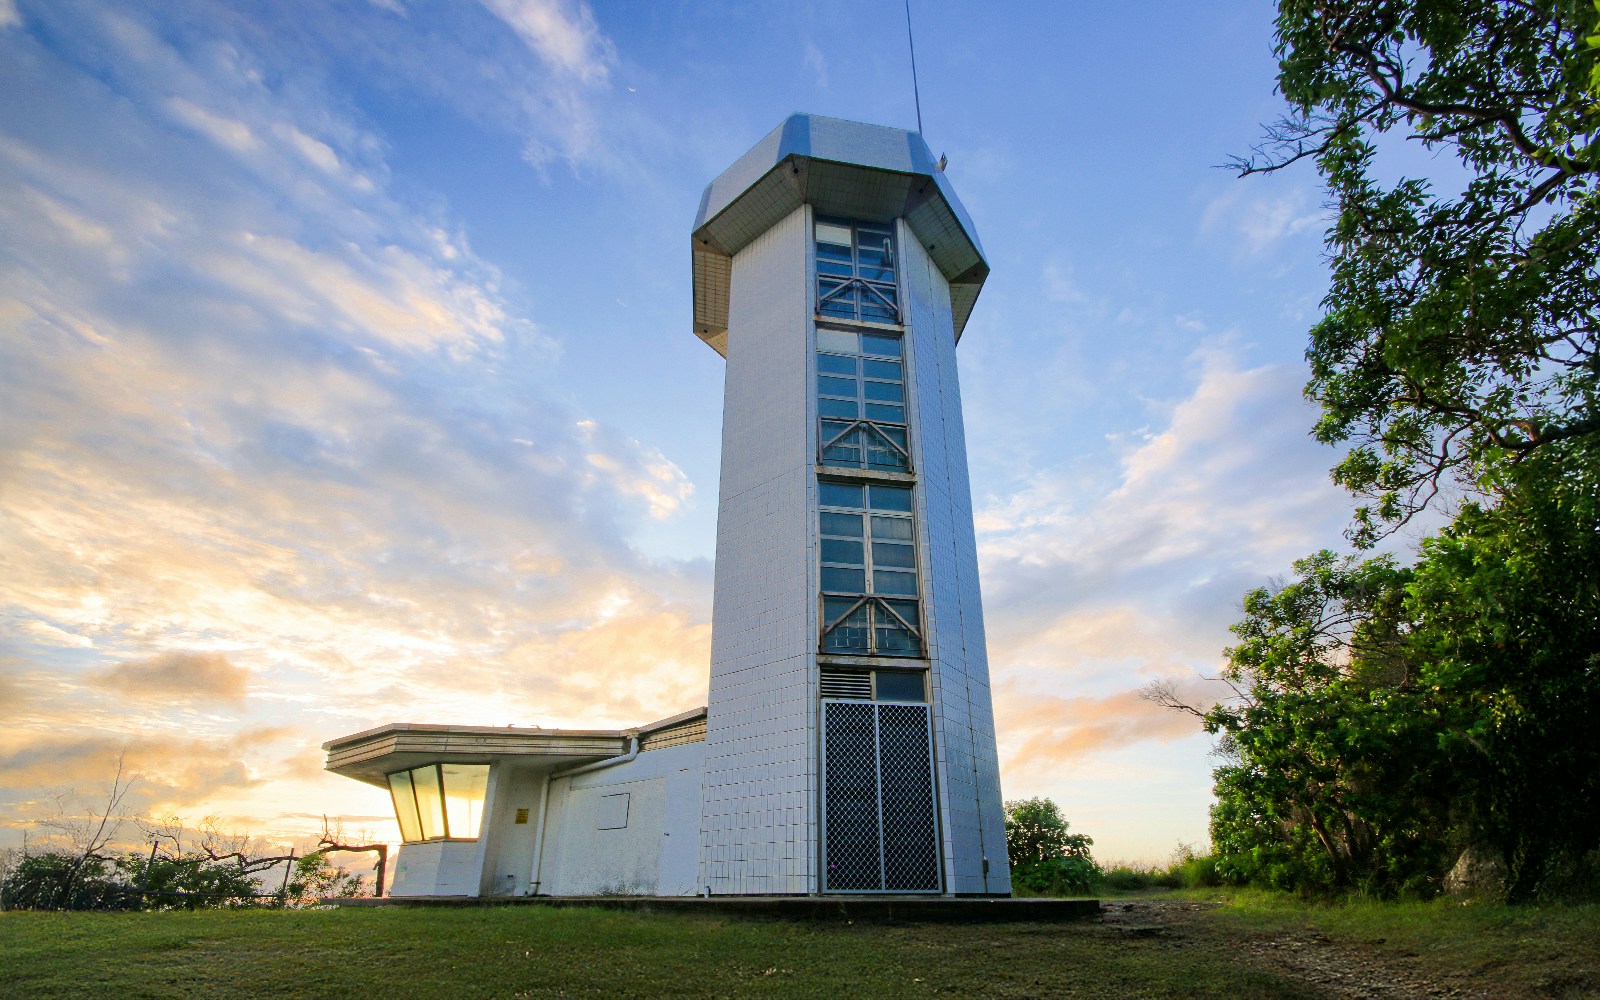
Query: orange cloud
{"points": [[180, 674], [1045, 731]]}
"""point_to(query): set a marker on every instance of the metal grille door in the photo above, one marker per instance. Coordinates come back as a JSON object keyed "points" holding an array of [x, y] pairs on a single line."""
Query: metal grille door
{"points": [[880, 827]]}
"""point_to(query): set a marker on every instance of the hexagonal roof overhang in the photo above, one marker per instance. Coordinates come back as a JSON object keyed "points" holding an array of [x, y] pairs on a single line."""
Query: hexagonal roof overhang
{"points": [[842, 168]]}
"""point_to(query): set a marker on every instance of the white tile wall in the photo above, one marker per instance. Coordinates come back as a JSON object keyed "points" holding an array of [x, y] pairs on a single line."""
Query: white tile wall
{"points": [[970, 804], [758, 831]]}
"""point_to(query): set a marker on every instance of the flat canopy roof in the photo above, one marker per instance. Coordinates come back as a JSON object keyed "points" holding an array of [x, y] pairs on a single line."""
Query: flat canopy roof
{"points": [[849, 169], [372, 755]]}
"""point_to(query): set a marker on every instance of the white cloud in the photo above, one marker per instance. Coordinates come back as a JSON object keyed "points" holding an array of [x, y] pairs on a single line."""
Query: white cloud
{"points": [[1254, 221], [10, 17], [256, 414], [1092, 593], [226, 132], [560, 32], [813, 60]]}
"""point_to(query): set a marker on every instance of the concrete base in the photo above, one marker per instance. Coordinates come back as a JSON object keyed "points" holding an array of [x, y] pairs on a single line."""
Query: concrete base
{"points": [[875, 909]]}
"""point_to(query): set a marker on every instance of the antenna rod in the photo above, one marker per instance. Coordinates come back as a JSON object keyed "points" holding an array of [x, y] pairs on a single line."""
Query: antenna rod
{"points": [[915, 93]]}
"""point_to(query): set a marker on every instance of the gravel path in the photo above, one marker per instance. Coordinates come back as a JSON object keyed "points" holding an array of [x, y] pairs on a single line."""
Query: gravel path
{"points": [[1333, 968]]}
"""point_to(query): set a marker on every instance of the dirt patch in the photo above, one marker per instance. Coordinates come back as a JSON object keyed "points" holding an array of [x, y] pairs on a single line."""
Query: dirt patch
{"points": [[1331, 967]]}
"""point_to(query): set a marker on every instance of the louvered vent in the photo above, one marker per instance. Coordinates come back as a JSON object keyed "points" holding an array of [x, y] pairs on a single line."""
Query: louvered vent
{"points": [[846, 684]]}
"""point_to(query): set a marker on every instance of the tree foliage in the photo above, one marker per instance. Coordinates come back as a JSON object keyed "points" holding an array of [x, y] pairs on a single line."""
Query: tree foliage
{"points": [[1392, 717], [206, 868], [1045, 858], [1460, 334]]}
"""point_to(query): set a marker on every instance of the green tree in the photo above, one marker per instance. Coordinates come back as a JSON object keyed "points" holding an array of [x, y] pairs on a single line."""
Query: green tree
{"points": [[1331, 780], [1505, 606], [1045, 858], [64, 880], [1390, 718], [1460, 333]]}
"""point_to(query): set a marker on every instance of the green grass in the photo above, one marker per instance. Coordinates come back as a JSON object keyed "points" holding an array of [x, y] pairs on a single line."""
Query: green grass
{"points": [[537, 952], [529, 951]]}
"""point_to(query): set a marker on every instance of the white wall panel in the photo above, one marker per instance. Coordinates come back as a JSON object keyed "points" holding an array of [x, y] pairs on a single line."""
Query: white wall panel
{"points": [[757, 820], [971, 808]]}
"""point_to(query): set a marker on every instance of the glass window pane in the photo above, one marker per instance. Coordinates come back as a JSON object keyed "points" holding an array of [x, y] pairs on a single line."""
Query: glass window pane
{"points": [[873, 254], [841, 442], [837, 550], [891, 582], [891, 498], [405, 806], [833, 607], [881, 369], [893, 636], [850, 633], [886, 412], [430, 803], [838, 341], [889, 391], [838, 408], [881, 456], [877, 273], [893, 639], [884, 347], [907, 610], [833, 385], [464, 786], [840, 495], [833, 232], [847, 581], [837, 365], [892, 529], [844, 452], [893, 555], [835, 268], [841, 524], [900, 685]]}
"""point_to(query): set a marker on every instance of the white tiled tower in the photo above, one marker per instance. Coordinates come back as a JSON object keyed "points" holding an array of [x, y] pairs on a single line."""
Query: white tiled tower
{"points": [[850, 743]]}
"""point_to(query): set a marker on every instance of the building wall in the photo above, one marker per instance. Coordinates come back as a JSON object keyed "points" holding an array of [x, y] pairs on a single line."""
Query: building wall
{"points": [[964, 739], [437, 868], [654, 854], [508, 845], [758, 829]]}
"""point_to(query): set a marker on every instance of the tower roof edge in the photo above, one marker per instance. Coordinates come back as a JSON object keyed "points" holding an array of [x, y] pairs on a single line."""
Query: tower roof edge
{"points": [[843, 168]]}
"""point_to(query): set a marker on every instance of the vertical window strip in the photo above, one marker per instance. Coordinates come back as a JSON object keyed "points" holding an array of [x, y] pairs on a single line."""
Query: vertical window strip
{"points": [[861, 401], [856, 271], [868, 569]]}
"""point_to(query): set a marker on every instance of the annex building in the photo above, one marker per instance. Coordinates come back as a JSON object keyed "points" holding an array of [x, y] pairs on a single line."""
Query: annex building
{"points": [[848, 742]]}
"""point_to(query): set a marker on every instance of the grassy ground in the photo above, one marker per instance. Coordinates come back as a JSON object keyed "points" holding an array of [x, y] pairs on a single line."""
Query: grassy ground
{"points": [[1144, 948]]}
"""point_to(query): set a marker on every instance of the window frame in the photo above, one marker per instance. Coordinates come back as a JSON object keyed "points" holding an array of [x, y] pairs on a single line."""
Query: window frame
{"points": [[884, 609], [865, 433], [442, 816], [863, 278]]}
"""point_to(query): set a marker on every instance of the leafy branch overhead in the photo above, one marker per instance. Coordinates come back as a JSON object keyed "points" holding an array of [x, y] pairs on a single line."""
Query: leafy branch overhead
{"points": [[1460, 333]]}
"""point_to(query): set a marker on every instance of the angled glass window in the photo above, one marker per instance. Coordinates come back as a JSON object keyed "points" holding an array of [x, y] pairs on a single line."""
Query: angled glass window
{"points": [[439, 801], [868, 570], [861, 401], [856, 271]]}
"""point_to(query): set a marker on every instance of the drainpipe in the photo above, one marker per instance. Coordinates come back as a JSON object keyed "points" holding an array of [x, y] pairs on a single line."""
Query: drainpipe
{"points": [[544, 800]]}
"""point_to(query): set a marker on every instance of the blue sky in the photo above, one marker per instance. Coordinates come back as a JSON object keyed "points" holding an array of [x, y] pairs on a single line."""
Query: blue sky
{"points": [[348, 374]]}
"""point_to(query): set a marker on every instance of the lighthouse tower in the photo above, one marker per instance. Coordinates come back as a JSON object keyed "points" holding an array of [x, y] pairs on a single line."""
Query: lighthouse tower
{"points": [[850, 741]]}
